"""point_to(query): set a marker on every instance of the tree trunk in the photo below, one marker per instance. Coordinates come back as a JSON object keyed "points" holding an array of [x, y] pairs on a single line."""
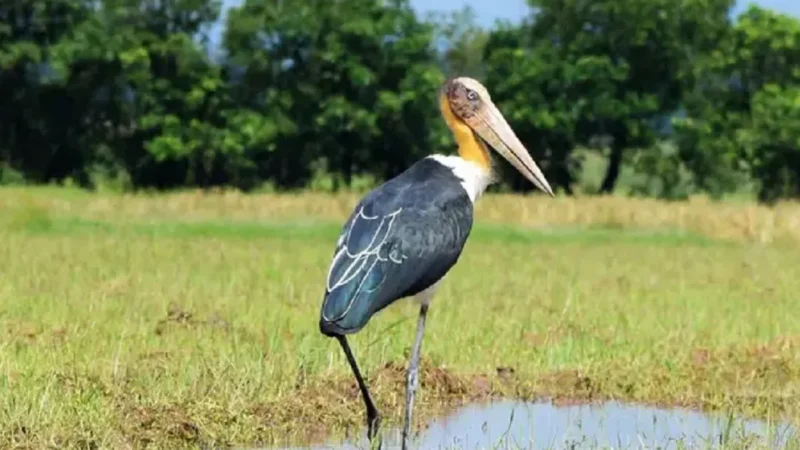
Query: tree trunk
{"points": [[614, 164], [565, 180], [347, 166]]}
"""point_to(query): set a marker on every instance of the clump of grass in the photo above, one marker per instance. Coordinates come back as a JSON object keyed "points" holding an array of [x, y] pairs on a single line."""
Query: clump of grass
{"points": [[123, 327]]}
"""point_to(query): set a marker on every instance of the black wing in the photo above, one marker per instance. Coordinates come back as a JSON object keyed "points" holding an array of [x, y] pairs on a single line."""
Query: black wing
{"points": [[400, 240]]}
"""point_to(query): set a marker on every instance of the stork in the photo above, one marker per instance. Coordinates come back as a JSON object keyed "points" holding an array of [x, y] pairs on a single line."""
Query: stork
{"points": [[405, 235]]}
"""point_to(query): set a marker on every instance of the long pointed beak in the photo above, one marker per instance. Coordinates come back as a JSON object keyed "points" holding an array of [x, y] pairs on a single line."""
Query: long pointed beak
{"points": [[493, 128]]}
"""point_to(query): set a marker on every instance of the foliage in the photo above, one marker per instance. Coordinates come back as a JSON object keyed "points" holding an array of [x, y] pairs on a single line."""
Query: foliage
{"points": [[129, 94], [742, 115], [599, 73], [356, 80]]}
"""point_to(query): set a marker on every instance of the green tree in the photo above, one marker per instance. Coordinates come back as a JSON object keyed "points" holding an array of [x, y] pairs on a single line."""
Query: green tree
{"points": [[584, 72], [739, 116], [140, 96], [37, 119], [172, 129], [529, 83], [357, 80], [773, 141]]}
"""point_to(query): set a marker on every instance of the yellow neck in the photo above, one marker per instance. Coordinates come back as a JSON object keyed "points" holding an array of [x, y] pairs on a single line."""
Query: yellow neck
{"points": [[469, 147]]}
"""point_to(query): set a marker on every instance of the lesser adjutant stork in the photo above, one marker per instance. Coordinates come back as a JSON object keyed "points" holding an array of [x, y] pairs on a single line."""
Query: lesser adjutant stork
{"points": [[405, 235]]}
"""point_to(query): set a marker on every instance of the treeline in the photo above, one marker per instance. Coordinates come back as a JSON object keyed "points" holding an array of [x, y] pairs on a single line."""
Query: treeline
{"points": [[334, 93]]}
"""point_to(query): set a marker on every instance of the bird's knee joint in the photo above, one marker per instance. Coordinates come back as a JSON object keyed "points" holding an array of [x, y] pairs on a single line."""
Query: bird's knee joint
{"points": [[412, 378]]}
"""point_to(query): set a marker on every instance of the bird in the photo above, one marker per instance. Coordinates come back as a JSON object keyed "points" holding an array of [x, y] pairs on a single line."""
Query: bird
{"points": [[404, 236]]}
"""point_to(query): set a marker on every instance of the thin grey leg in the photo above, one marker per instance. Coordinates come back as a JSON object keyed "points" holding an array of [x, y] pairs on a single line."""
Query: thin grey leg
{"points": [[412, 376]]}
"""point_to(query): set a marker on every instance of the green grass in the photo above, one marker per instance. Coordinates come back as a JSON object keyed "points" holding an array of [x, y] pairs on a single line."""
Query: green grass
{"points": [[172, 333]]}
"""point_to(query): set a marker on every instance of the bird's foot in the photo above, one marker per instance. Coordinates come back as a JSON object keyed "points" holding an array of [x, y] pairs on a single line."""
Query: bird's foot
{"points": [[373, 428]]}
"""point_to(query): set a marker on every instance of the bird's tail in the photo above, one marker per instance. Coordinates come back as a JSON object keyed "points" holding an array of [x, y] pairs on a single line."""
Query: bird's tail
{"points": [[344, 312]]}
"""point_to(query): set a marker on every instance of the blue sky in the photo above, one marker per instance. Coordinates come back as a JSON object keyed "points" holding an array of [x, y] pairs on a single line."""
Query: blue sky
{"points": [[487, 11]]}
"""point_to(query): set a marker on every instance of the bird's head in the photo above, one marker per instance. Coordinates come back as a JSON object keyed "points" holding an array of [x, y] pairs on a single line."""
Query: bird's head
{"points": [[477, 123]]}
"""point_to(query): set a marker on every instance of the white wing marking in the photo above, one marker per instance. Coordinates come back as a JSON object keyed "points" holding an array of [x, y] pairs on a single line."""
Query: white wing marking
{"points": [[397, 259], [360, 258]]}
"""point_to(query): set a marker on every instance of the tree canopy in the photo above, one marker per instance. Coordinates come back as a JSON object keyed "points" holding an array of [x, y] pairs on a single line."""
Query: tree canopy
{"points": [[343, 94]]}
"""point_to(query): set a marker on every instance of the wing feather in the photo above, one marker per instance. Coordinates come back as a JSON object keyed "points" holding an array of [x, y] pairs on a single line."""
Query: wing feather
{"points": [[400, 239], [361, 243], [385, 257]]}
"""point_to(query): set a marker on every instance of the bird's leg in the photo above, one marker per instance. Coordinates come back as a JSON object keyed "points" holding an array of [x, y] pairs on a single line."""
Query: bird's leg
{"points": [[373, 418], [412, 378]]}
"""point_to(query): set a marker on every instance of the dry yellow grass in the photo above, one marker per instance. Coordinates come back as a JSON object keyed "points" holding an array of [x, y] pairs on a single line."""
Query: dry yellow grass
{"points": [[722, 220]]}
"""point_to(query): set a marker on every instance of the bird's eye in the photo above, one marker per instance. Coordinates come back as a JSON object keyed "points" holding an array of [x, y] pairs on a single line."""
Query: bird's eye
{"points": [[472, 95]]}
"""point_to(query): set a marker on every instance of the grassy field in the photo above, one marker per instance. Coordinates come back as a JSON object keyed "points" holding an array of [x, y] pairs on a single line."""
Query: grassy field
{"points": [[191, 319]]}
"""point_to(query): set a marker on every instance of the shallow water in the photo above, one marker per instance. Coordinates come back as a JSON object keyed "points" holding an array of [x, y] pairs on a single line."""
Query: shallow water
{"points": [[542, 425]]}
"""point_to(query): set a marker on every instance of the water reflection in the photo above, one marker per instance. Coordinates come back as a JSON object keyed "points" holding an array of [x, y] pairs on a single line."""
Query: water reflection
{"points": [[542, 425]]}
